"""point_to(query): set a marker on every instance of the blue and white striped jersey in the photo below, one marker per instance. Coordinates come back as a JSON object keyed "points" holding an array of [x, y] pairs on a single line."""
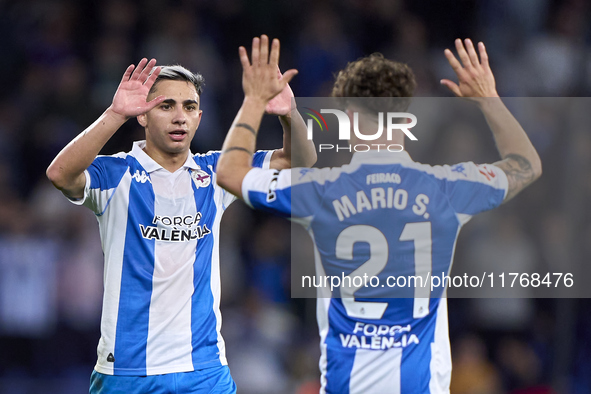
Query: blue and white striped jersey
{"points": [[160, 238], [387, 216]]}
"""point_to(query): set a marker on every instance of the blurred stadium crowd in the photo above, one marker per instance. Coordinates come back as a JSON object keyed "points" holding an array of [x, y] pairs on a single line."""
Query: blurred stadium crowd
{"points": [[61, 61]]}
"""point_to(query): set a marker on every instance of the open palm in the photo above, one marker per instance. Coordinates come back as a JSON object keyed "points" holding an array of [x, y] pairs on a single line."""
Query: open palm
{"points": [[475, 78], [259, 79], [280, 104], [131, 96]]}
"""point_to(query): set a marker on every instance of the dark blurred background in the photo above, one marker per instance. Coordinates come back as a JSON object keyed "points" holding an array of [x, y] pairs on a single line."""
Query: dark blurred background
{"points": [[60, 63]]}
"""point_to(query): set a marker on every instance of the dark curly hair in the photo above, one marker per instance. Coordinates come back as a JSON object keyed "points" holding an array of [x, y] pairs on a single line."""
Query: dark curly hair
{"points": [[375, 76]]}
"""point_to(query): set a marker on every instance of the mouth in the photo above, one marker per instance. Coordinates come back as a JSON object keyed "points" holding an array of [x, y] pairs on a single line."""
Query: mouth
{"points": [[177, 135]]}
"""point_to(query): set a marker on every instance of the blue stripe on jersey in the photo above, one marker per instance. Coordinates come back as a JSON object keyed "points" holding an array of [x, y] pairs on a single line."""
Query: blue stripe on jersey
{"points": [[259, 158], [282, 206], [203, 320], [106, 172], [136, 282], [414, 357], [472, 197], [339, 359]]}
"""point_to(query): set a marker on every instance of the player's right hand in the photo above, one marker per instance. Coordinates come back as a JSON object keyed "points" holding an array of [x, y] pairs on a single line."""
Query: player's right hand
{"points": [[131, 96], [475, 77]]}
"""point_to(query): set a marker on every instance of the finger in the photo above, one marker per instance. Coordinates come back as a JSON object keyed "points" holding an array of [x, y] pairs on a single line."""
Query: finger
{"points": [[255, 51], [243, 58], [138, 69], [451, 86], [154, 102], [150, 81], [462, 53], [127, 73], [472, 52], [274, 59], [264, 56], [288, 75], [146, 71], [453, 62], [483, 56]]}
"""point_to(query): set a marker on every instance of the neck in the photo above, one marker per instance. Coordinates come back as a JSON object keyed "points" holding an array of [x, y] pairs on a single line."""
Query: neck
{"points": [[169, 161]]}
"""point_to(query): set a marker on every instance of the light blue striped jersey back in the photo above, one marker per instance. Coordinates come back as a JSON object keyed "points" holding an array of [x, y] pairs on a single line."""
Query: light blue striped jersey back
{"points": [[386, 216]]}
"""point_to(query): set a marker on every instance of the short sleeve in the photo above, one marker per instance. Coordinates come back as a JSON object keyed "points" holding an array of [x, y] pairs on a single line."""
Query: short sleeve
{"points": [[268, 190], [473, 188], [296, 193], [102, 178]]}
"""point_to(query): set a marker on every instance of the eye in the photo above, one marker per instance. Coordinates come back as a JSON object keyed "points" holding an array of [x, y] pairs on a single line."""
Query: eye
{"points": [[190, 107], [165, 107]]}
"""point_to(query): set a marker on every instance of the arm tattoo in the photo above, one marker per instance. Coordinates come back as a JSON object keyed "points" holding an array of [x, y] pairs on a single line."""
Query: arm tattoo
{"points": [[247, 127], [237, 148], [519, 173]]}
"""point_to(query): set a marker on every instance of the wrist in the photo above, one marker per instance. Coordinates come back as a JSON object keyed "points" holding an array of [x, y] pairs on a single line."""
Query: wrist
{"points": [[254, 104], [488, 101], [286, 118], [114, 116]]}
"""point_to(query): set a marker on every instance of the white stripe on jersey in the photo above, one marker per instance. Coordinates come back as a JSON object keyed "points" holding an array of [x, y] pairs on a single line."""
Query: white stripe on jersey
{"points": [[376, 371], [440, 366], [215, 271], [112, 233], [322, 305], [169, 330]]}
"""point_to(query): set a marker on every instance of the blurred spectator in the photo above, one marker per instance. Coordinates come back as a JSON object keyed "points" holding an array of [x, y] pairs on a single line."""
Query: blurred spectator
{"points": [[473, 372], [521, 368], [503, 249]]}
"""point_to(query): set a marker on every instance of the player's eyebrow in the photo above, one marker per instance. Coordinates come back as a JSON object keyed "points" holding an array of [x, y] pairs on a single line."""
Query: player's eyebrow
{"points": [[186, 102]]}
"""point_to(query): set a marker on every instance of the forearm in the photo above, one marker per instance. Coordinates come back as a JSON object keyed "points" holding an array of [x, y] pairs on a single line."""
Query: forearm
{"points": [[239, 146], [66, 169], [520, 162], [510, 138], [297, 150]]}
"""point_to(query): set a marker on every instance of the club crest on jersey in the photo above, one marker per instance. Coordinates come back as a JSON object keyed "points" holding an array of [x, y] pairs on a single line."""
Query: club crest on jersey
{"points": [[141, 178], [200, 178]]}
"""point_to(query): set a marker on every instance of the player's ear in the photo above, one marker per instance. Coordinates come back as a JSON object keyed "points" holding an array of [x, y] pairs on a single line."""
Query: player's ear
{"points": [[141, 119]]}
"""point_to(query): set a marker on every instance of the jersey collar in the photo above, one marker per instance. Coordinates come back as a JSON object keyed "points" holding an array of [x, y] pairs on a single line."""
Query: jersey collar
{"points": [[149, 164], [378, 157]]}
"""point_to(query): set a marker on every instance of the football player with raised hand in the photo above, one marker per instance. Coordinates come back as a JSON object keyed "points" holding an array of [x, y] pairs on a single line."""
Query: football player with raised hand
{"points": [[159, 210], [408, 220]]}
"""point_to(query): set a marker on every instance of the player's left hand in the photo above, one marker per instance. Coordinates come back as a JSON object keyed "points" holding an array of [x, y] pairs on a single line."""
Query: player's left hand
{"points": [[259, 79], [475, 78], [280, 105]]}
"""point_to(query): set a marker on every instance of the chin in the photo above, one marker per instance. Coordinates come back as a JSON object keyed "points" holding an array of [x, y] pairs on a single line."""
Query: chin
{"points": [[179, 149]]}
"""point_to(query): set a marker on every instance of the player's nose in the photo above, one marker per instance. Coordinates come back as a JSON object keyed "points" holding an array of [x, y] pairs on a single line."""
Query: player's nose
{"points": [[179, 116]]}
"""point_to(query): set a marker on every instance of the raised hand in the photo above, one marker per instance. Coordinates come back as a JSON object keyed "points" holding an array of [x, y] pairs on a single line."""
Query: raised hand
{"points": [[474, 76], [131, 96], [259, 79], [281, 104]]}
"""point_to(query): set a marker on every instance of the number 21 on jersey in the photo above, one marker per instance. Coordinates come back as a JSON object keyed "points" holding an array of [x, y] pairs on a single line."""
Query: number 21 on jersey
{"points": [[419, 233]]}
